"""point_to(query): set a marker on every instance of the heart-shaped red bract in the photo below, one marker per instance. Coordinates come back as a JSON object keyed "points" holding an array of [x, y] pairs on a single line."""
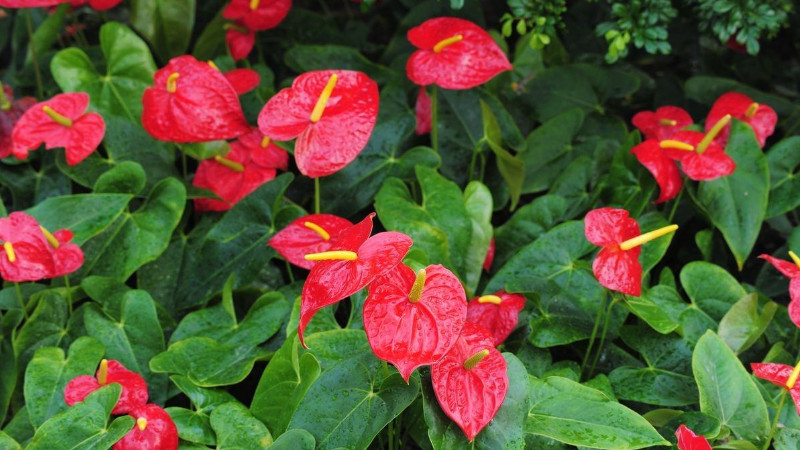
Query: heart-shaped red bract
{"points": [[407, 333], [240, 40], [35, 255], [453, 54], [313, 233], [333, 280], [78, 138], [343, 130], [154, 430], [663, 123], [664, 169], [30, 3], [713, 163], [243, 80], [471, 397], [614, 268], [791, 271], [778, 374], [761, 118], [134, 389], [192, 102], [422, 109], [687, 440], [257, 15], [100, 5], [499, 319], [9, 115]]}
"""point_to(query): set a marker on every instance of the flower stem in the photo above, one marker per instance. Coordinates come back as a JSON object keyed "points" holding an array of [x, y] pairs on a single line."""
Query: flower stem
{"points": [[435, 119], [603, 336], [289, 270], [69, 294], [32, 48], [594, 334], [775, 420], [21, 302], [316, 195]]}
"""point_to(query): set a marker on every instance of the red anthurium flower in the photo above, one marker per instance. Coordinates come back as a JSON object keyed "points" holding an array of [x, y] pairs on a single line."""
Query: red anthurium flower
{"points": [[687, 440], [313, 233], [242, 80], [701, 157], [31, 253], [423, 111], [487, 263], [61, 121], [192, 102], [497, 313], [240, 40], [10, 112], [760, 117], [355, 259], [412, 319], [154, 430], [251, 162], [453, 54], [664, 169], [792, 271], [134, 388], [470, 382], [30, 3], [100, 5], [617, 265], [330, 112], [663, 123], [780, 375], [257, 14]]}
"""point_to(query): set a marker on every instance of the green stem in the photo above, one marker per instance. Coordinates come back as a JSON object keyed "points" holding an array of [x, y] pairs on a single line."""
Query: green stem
{"points": [[19, 298], [472, 166], [316, 195], [775, 420], [675, 206], [435, 119], [289, 269], [603, 336], [594, 334], [69, 294], [32, 47]]}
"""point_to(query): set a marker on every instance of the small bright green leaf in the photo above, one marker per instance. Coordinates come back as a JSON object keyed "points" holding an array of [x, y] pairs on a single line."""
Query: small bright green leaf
{"points": [[127, 177], [237, 429], [193, 426], [711, 288], [478, 203]]}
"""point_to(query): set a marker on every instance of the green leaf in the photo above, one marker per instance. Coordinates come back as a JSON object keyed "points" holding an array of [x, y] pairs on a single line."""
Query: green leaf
{"points": [[527, 224], [294, 440], [166, 24], [205, 150], [654, 250], [127, 141], [86, 215], [193, 426], [711, 288], [305, 58], [8, 443], [46, 327], [783, 160], [559, 89], [742, 325], [648, 310], [237, 429], [46, 34], [478, 203], [29, 185], [8, 376], [547, 145], [511, 167], [127, 177], [203, 399], [786, 439]]}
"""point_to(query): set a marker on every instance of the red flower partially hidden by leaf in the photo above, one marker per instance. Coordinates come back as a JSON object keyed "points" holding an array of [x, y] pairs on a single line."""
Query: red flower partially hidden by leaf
{"points": [[192, 102], [423, 111], [687, 440], [355, 259], [243, 80], [497, 313], [790, 270], [487, 262], [663, 123], [330, 112], [780, 375], [30, 3], [453, 54], [257, 15], [154, 430], [61, 121], [10, 112], [240, 40], [470, 382], [412, 320], [134, 388], [313, 233], [28, 252], [701, 158], [664, 169], [761, 118], [100, 5]]}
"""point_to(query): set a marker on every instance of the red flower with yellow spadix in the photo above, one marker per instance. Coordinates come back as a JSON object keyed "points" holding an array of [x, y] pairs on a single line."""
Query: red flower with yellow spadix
{"points": [[761, 118], [10, 112], [240, 40], [134, 388], [700, 155], [687, 440], [354, 260], [498, 313], [257, 15], [662, 123], [413, 319], [154, 430], [242, 80], [330, 112], [453, 54], [780, 375], [61, 121], [192, 102], [617, 265], [28, 252], [470, 381], [663, 168], [790, 270], [313, 233]]}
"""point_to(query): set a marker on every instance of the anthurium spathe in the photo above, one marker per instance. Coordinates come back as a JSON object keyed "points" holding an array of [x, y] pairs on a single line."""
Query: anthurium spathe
{"points": [[257, 15], [487, 262], [100, 5], [662, 123], [687, 440], [242, 80], [313, 233], [780, 375], [154, 430], [353, 261], [10, 112], [470, 381], [192, 102], [413, 319], [422, 109], [700, 155], [134, 389], [498, 313], [761, 118], [664, 169], [61, 121], [330, 112], [453, 54], [240, 40], [790, 270], [30, 3], [617, 265], [28, 252]]}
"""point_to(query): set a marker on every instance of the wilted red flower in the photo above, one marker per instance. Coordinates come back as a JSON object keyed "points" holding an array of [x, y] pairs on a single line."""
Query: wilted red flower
{"points": [[257, 14], [761, 118], [487, 262], [617, 265], [154, 430], [192, 102], [453, 54], [423, 112], [10, 112], [251, 162], [134, 388], [330, 112], [790, 270], [470, 382], [663, 123], [687, 440], [240, 40], [100, 5], [354, 261], [664, 169], [701, 157], [313, 233], [497, 313], [31, 253], [780, 375], [412, 319], [61, 121]]}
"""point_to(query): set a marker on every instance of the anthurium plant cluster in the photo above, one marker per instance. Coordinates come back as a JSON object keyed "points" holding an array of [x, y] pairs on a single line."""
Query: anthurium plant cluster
{"points": [[252, 224]]}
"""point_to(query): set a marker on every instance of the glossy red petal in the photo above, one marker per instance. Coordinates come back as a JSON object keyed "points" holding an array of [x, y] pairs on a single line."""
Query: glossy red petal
{"points": [[663, 168], [711, 164], [240, 44], [271, 156], [777, 374], [267, 14], [79, 388], [619, 270], [9, 118], [663, 123], [297, 240], [30, 3], [687, 440], [471, 397], [159, 433], [102, 5], [422, 109], [499, 320], [736, 104], [33, 255], [788, 268], [67, 258], [795, 393], [487, 262], [134, 389], [203, 107], [794, 305], [410, 335], [243, 80], [609, 226], [465, 64]]}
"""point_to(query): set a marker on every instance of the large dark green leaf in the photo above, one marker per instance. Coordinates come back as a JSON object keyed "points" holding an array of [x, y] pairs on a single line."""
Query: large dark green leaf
{"points": [[46, 327], [559, 89], [547, 144], [167, 24], [86, 215], [711, 287], [237, 429], [743, 324], [527, 224], [783, 160], [511, 167]]}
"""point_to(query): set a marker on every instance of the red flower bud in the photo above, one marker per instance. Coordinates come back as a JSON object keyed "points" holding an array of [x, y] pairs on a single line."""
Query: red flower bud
{"points": [[498, 313]]}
